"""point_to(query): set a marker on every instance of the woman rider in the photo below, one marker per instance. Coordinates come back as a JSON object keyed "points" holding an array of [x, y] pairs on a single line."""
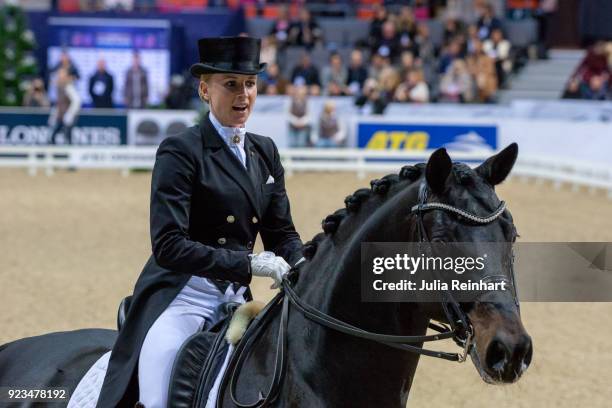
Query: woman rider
{"points": [[214, 188]]}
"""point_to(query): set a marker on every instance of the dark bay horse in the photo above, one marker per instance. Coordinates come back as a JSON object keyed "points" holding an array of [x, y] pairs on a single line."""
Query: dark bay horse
{"points": [[327, 368]]}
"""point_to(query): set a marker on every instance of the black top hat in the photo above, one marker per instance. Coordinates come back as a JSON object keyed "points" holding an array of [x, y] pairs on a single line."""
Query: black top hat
{"points": [[237, 55]]}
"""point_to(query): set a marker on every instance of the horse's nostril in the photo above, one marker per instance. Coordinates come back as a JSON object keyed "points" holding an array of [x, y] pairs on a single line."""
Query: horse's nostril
{"points": [[497, 355], [506, 361], [528, 353]]}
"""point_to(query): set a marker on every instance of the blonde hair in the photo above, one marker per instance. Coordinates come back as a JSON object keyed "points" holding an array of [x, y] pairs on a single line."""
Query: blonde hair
{"points": [[203, 78]]}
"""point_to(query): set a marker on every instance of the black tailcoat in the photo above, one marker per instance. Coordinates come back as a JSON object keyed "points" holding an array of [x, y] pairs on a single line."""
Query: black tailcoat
{"points": [[206, 211]]}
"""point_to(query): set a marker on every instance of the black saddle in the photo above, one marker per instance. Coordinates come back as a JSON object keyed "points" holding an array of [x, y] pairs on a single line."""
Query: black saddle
{"points": [[198, 363]]}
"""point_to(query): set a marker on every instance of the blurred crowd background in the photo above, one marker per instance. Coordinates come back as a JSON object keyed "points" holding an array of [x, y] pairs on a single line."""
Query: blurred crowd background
{"points": [[375, 52]]}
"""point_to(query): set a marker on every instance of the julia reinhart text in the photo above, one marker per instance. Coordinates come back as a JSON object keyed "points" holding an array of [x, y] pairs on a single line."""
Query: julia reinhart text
{"points": [[438, 285]]}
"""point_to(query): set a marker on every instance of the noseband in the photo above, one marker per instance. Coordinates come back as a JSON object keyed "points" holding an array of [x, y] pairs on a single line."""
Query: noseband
{"points": [[459, 328]]}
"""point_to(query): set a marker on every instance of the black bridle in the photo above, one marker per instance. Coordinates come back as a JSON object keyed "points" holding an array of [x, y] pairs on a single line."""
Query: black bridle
{"points": [[459, 328]]}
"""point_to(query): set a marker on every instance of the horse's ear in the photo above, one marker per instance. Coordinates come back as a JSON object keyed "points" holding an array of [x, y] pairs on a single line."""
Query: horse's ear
{"points": [[496, 168], [438, 169]]}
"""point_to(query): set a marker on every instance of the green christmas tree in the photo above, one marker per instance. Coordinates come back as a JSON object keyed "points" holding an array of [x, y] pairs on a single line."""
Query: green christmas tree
{"points": [[17, 63]]}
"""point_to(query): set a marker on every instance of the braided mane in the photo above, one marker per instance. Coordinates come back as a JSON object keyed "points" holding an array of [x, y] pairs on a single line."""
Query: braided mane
{"points": [[382, 188]]}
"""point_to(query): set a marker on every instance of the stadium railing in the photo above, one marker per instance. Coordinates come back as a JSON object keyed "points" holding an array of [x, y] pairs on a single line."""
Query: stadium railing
{"points": [[359, 161]]}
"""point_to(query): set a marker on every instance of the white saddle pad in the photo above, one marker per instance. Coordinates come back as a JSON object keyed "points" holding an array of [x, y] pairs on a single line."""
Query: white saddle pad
{"points": [[87, 391]]}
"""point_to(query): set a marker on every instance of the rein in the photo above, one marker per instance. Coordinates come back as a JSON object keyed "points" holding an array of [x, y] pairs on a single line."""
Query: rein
{"points": [[459, 328]]}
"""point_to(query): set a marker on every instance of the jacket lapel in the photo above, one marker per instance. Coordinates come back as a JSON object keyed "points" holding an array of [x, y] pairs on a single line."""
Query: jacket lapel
{"points": [[255, 168], [229, 163], [253, 162]]}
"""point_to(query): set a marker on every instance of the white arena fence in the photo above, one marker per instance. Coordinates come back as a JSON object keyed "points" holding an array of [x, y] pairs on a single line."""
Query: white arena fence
{"points": [[360, 161]]}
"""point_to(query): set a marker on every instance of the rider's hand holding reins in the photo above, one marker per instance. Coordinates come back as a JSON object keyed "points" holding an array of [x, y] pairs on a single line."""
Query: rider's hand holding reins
{"points": [[269, 265]]}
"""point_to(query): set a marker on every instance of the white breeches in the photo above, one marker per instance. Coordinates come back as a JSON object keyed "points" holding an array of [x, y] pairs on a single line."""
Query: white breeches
{"points": [[194, 308]]}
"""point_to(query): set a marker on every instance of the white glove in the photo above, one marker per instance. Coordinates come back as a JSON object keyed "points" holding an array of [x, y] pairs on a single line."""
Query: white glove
{"points": [[269, 265]]}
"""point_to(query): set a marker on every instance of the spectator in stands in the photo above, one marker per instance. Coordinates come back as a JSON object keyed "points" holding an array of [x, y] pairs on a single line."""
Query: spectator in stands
{"points": [[592, 78], [413, 89], [136, 91], [371, 98], [280, 29], [271, 82], [330, 130], [482, 68], [457, 85], [449, 54], [66, 62], [452, 28], [335, 76], [487, 22], [388, 45], [380, 16], [305, 32], [544, 14], [407, 63], [498, 48], [36, 96], [179, 94], [64, 114], [425, 47], [597, 88], [406, 29], [269, 50], [357, 73], [299, 118], [307, 74], [472, 36], [595, 62], [101, 85], [388, 82], [426, 52], [377, 64]]}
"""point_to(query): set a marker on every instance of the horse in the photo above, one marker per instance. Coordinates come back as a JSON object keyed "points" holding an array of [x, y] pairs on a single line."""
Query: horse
{"points": [[326, 347]]}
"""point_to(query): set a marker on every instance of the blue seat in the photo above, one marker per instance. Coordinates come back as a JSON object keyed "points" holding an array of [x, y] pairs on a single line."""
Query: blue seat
{"points": [[521, 33]]}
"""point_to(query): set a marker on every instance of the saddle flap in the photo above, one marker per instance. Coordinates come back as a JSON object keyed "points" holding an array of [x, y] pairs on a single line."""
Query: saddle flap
{"points": [[202, 356], [197, 364]]}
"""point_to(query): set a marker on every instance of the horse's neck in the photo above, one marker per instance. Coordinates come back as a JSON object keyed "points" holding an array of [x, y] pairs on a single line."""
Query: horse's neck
{"points": [[331, 283], [370, 373]]}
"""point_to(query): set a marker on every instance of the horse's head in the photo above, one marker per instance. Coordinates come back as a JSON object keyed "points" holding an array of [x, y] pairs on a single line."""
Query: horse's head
{"points": [[502, 349]]}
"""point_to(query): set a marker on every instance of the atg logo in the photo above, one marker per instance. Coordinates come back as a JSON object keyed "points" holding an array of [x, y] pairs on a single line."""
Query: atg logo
{"points": [[397, 140], [383, 136]]}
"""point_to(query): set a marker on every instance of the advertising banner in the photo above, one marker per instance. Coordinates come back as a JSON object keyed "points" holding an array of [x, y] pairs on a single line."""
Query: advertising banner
{"points": [[150, 127], [415, 136], [89, 40], [31, 128]]}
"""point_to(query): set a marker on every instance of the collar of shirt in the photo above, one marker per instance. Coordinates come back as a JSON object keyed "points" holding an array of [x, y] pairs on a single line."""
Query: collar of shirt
{"points": [[231, 135]]}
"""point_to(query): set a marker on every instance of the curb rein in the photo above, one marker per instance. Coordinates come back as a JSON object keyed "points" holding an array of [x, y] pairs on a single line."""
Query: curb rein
{"points": [[459, 329]]}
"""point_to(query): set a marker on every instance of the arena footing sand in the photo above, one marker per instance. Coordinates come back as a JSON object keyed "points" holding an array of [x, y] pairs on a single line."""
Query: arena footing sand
{"points": [[73, 244]]}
